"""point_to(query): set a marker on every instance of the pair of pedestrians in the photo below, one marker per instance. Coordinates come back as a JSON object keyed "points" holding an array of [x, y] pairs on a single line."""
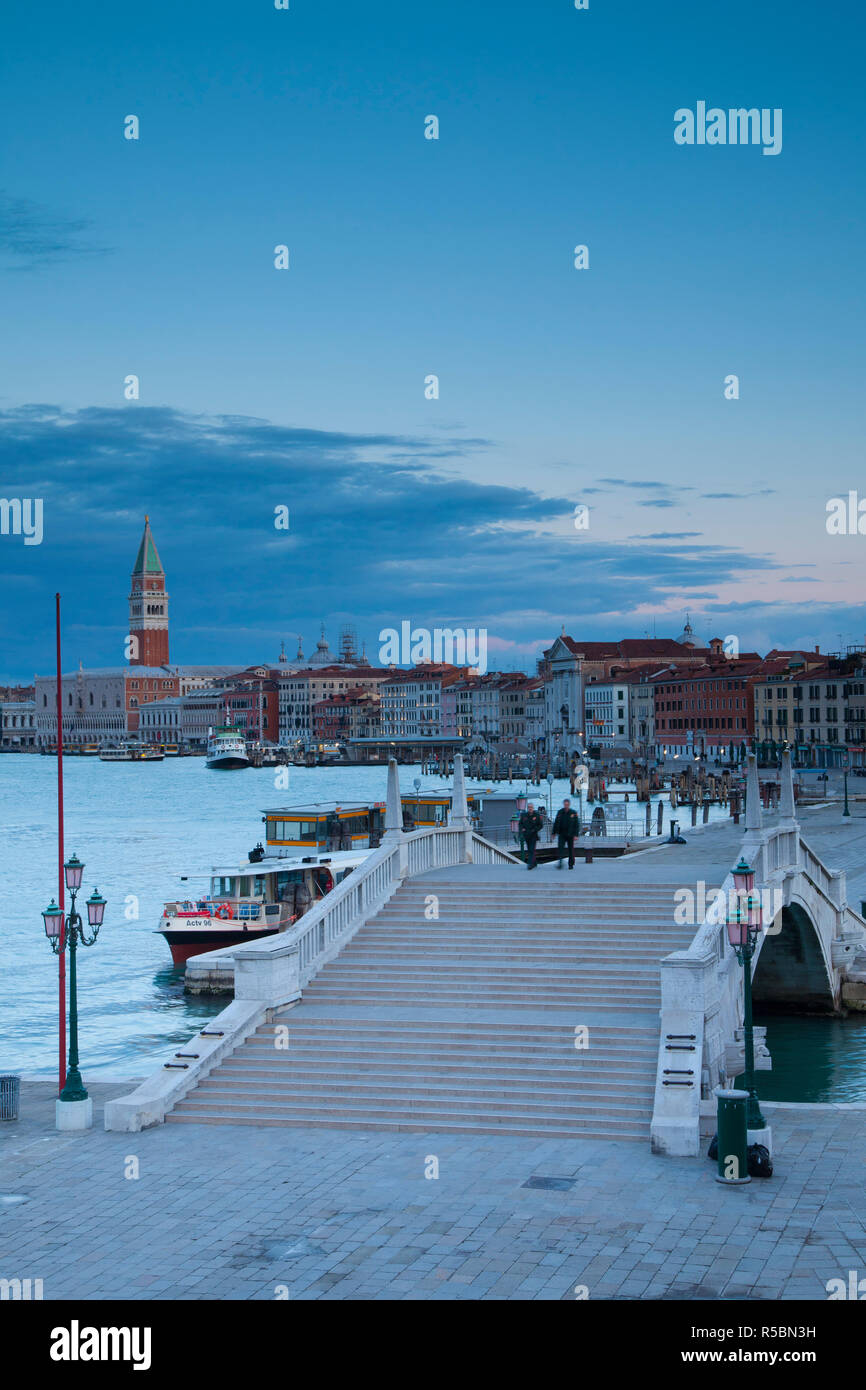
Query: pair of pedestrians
{"points": [[566, 827]]}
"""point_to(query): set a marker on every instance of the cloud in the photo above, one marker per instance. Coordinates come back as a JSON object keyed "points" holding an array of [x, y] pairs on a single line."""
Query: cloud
{"points": [[31, 234], [378, 532], [737, 496]]}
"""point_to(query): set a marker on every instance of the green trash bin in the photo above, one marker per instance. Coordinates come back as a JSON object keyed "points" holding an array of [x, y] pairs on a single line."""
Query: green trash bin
{"points": [[733, 1156]]}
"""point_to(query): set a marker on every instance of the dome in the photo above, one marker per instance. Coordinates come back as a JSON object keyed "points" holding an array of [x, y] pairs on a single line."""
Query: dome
{"points": [[323, 656]]}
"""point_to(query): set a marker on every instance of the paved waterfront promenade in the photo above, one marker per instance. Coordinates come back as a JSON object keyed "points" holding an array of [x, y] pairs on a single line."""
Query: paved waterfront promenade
{"points": [[234, 1212]]}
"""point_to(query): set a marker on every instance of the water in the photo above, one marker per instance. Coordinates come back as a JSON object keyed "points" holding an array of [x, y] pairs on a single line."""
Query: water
{"points": [[138, 827], [814, 1059]]}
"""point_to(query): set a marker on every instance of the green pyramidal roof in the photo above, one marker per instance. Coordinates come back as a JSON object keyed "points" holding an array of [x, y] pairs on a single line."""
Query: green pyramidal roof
{"points": [[147, 559]]}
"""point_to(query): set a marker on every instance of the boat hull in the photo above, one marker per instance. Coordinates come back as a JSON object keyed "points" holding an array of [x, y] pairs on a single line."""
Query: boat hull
{"points": [[185, 943], [227, 763]]}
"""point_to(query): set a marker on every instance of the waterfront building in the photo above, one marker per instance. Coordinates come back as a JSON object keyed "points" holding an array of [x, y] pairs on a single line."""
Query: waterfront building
{"points": [[183, 719], [606, 715], [641, 709], [514, 693], [533, 714], [356, 713], [17, 724], [104, 704], [412, 700], [568, 666], [708, 710], [300, 690], [817, 704]]}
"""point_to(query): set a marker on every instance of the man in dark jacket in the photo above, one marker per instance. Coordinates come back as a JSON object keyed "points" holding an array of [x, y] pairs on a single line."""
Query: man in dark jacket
{"points": [[565, 827], [530, 827]]}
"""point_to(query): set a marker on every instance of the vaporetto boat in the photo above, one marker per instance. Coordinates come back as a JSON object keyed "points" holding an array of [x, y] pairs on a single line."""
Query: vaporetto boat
{"points": [[226, 749], [257, 898]]}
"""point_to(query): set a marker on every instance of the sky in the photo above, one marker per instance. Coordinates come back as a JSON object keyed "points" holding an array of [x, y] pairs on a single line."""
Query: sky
{"points": [[304, 388]]}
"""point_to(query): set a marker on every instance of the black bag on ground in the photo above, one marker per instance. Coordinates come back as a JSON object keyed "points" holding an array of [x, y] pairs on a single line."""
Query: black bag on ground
{"points": [[760, 1162]]}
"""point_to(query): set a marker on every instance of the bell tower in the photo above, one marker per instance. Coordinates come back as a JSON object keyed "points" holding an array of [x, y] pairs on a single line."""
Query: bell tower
{"points": [[148, 606]]}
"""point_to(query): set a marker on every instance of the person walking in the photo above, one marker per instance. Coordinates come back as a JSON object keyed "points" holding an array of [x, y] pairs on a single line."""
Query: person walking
{"points": [[530, 828], [565, 827]]}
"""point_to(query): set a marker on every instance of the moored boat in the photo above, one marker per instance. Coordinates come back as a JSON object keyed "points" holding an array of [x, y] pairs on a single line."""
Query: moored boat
{"points": [[255, 899], [226, 749]]}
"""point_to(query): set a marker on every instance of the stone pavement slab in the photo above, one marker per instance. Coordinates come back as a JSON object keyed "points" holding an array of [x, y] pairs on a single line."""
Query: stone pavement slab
{"points": [[234, 1212]]}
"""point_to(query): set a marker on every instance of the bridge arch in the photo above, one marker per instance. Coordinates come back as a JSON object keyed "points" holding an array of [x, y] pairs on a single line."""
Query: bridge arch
{"points": [[792, 973]]}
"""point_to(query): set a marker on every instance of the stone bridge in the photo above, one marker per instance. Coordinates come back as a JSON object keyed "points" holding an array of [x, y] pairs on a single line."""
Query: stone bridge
{"points": [[810, 958], [605, 1002]]}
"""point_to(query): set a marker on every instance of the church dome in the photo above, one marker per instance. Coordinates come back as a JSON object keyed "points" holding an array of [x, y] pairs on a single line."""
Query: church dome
{"points": [[323, 656]]}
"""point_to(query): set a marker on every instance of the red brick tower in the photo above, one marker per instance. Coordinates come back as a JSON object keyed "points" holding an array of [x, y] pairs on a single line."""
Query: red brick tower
{"points": [[148, 606]]}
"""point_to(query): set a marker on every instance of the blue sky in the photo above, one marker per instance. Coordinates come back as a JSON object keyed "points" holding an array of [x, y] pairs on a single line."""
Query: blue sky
{"points": [[411, 257]]}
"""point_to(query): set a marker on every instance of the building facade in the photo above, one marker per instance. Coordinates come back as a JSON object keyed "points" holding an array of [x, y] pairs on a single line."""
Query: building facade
{"points": [[819, 709], [299, 691], [412, 700], [18, 730]]}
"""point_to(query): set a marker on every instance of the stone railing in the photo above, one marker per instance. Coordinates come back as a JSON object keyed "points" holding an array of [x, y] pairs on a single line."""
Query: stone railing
{"points": [[272, 972], [702, 994]]}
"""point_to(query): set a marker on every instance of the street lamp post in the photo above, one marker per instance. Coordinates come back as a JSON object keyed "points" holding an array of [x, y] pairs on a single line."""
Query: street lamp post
{"points": [[65, 935], [846, 811], [744, 927]]}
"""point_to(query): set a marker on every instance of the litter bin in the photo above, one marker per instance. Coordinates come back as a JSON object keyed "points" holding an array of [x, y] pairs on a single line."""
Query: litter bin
{"points": [[733, 1157], [10, 1087]]}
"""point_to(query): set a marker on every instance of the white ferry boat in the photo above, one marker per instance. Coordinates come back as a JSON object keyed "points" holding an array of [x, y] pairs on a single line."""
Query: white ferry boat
{"points": [[260, 897], [226, 748], [115, 755], [131, 753]]}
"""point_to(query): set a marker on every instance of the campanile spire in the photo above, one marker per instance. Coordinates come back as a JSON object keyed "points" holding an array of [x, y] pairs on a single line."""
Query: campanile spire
{"points": [[148, 605]]}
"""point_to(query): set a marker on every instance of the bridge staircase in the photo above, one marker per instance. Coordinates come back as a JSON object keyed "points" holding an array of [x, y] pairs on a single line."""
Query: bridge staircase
{"points": [[528, 1006]]}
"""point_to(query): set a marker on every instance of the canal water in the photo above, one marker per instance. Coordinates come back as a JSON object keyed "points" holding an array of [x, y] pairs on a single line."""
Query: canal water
{"points": [[139, 827]]}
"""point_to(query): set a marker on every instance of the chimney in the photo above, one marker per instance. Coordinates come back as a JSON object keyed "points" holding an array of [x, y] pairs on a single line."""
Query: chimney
{"points": [[817, 648]]}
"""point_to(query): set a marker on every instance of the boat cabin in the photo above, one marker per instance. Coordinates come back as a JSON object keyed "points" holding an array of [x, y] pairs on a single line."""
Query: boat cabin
{"points": [[272, 891], [424, 809], [324, 825]]}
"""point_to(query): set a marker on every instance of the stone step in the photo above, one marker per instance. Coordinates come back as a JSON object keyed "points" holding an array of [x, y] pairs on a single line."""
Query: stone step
{"points": [[584, 1000], [354, 1106], [476, 978], [513, 915], [419, 1125], [520, 928], [375, 1052], [500, 925], [304, 1022], [468, 1030], [450, 1081], [481, 977], [492, 967], [418, 887]]}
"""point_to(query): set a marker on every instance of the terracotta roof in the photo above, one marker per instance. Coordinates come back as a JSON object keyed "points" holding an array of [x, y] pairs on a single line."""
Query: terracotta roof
{"points": [[631, 647]]}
